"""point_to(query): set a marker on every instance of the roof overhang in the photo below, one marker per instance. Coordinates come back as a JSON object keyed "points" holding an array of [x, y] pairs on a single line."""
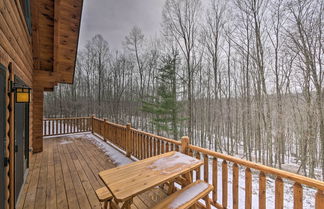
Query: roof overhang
{"points": [[56, 28]]}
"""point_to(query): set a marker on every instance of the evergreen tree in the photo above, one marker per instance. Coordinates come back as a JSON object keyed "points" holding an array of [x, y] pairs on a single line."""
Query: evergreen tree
{"points": [[164, 106]]}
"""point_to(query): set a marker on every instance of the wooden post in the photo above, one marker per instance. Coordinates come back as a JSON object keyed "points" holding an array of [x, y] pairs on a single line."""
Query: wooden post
{"points": [[319, 199], [128, 140], [184, 144], [92, 119], [103, 132]]}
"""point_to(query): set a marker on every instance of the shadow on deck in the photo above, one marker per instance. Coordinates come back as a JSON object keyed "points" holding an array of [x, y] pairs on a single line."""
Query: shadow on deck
{"points": [[65, 175]]}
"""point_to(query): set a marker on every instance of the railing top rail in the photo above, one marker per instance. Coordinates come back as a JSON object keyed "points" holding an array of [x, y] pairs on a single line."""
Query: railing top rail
{"points": [[266, 169], [115, 124], [99, 119], [158, 137], [66, 118]]}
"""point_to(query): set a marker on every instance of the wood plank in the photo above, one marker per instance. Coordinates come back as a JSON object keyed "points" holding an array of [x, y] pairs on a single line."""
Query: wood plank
{"points": [[42, 182], [200, 190], [31, 195], [143, 176], [24, 191], [79, 190], [61, 198], [68, 182], [71, 157], [51, 187]]}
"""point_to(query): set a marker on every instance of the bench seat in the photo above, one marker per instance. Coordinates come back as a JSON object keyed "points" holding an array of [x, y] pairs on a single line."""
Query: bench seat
{"points": [[187, 197], [104, 195]]}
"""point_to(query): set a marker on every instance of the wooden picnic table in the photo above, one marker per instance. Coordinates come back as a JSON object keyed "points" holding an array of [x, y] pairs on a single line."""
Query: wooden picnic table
{"points": [[125, 182]]}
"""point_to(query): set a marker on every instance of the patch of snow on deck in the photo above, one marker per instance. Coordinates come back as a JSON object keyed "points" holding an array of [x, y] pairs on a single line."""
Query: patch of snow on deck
{"points": [[173, 163], [65, 142], [188, 195], [117, 157]]}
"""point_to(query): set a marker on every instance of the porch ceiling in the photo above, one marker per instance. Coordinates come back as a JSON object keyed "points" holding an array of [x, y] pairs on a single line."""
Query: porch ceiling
{"points": [[55, 37]]}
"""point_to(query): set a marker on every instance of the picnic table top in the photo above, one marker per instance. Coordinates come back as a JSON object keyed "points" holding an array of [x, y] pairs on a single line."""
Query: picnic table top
{"points": [[127, 181]]}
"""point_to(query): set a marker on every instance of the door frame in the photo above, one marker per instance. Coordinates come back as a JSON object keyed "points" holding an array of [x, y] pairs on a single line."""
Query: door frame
{"points": [[3, 159], [25, 143]]}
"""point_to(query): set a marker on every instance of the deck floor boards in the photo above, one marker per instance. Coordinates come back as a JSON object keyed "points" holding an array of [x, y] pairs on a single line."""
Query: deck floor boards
{"points": [[65, 176]]}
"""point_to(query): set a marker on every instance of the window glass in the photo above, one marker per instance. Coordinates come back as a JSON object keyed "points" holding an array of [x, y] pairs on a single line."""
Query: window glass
{"points": [[25, 6]]}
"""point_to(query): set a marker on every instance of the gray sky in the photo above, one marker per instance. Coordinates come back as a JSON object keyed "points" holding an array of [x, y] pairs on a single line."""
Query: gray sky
{"points": [[113, 19]]}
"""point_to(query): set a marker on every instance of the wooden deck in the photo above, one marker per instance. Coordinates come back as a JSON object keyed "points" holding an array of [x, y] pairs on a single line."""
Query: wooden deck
{"points": [[64, 176]]}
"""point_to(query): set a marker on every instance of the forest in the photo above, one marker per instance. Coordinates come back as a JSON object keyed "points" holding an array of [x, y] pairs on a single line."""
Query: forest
{"points": [[241, 77]]}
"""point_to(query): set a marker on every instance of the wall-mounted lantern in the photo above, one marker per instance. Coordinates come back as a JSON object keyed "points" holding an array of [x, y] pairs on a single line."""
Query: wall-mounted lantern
{"points": [[22, 93]]}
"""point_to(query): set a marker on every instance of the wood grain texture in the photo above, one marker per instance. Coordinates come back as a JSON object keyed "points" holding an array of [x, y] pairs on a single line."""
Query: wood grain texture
{"points": [[63, 169], [126, 181], [177, 197]]}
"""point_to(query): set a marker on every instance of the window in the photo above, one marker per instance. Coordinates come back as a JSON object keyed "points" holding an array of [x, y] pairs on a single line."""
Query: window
{"points": [[25, 6]]}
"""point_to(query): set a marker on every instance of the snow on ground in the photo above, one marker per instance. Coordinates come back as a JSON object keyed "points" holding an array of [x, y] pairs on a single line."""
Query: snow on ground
{"points": [[117, 157], [65, 142], [308, 193], [73, 135]]}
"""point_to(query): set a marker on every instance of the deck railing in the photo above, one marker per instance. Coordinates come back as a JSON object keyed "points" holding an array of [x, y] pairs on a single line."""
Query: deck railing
{"points": [[218, 168], [59, 126]]}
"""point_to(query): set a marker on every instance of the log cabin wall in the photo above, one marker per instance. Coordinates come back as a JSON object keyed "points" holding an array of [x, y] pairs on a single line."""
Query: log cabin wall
{"points": [[16, 56], [41, 56]]}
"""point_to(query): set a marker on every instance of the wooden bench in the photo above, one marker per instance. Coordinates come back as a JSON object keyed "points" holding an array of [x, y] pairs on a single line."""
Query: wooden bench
{"points": [[104, 196], [187, 196]]}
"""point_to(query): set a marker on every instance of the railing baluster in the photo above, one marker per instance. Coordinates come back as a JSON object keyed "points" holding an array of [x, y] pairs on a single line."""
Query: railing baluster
{"points": [[62, 126], [142, 145], [206, 168], [262, 190], [235, 186], [151, 146], [48, 128], [159, 147], [224, 184], [154, 146], [298, 196], [147, 149], [53, 133], [166, 147], [279, 193], [199, 168], [248, 188], [162, 147], [215, 179]]}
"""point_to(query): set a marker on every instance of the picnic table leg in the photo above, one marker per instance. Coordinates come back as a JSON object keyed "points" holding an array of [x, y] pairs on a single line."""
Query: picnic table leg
{"points": [[114, 205], [107, 205], [207, 202], [127, 204], [188, 178], [171, 188]]}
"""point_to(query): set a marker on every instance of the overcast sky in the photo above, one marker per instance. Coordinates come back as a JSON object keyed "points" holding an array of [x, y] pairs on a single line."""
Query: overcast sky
{"points": [[115, 18]]}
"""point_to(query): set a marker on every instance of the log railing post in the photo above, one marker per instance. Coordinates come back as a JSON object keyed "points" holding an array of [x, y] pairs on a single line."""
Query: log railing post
{"points": [[92, 124], [103, 133], [184, 144], [319, 199], [128, 140]]}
